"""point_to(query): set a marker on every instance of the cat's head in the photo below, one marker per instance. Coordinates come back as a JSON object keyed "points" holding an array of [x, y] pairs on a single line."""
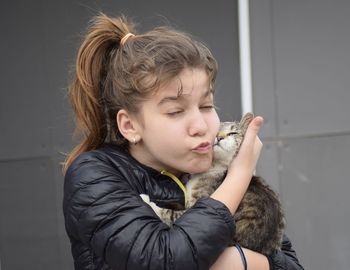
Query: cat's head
{"points": [[230, 137]]}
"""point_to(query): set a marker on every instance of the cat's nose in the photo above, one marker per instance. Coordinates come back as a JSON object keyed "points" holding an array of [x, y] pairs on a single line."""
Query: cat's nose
{"points": [[220, 136]]}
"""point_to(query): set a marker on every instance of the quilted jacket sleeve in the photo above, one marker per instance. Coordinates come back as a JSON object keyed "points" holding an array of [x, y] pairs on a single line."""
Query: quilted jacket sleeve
{"points": [[286, 258], [106, 214]]}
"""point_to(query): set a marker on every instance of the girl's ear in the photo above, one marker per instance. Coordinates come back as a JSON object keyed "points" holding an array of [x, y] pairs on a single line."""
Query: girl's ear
{"points": [[128, 126]]}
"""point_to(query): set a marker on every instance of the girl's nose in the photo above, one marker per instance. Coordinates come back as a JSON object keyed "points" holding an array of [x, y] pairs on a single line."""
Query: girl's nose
{"points": [[198, 125]]}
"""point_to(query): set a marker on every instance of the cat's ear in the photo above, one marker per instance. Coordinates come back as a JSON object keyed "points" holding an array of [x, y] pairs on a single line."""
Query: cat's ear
{"points": [[245, 121], [128, 125]]}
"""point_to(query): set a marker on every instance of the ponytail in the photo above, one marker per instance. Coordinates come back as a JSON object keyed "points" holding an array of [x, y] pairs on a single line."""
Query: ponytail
{"points": [[85, 93]]}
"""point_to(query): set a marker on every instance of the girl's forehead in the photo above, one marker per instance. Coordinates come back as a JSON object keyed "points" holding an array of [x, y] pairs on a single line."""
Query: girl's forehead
{"points": [[188, 82]]}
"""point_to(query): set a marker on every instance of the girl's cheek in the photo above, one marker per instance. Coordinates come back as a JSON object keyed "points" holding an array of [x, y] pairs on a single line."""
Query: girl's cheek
{"points": [[216, 123]]}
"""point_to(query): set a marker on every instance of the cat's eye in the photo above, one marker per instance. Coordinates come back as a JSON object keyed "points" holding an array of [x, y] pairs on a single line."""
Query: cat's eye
{"points": [[232, 133]]}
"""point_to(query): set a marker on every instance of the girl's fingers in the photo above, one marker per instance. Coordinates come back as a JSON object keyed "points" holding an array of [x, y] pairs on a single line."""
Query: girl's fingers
{"points": [[253, 130], [255, 125]]}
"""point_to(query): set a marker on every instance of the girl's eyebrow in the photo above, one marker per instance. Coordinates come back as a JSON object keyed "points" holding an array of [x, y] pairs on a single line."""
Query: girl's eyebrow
{"points": [[181, 96], [169, 99], [208, 92]]}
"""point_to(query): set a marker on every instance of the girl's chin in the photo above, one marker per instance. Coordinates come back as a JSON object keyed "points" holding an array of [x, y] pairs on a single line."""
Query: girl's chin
{"points": [[199, 169]]}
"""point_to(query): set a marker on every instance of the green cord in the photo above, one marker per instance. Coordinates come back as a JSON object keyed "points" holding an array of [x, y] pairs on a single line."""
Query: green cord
{"points": [[178, 182]]}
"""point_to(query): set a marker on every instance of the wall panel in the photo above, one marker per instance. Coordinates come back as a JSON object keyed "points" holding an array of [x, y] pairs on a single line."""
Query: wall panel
{"points": [[300, 67]]}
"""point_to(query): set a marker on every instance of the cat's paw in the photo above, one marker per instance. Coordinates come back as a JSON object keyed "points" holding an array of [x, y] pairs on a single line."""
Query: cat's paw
{"points": [[147, 200]]}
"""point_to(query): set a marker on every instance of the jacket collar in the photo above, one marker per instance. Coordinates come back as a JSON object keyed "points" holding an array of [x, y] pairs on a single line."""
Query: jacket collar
{"points": [[161, 189]]}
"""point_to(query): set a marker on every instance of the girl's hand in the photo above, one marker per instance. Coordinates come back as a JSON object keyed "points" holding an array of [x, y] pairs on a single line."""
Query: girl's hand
{"points": [[245, 162], [236, 182]]}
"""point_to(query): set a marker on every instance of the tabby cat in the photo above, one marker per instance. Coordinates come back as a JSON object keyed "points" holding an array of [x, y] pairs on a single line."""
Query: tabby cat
{"points": [[259, 217]]}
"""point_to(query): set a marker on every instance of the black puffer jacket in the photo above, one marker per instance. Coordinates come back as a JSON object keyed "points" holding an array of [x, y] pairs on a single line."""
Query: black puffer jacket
{"points": [[110, 227]]}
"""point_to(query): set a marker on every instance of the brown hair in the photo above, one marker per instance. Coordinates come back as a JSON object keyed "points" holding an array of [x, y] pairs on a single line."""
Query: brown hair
{"points": [[110, 76]]}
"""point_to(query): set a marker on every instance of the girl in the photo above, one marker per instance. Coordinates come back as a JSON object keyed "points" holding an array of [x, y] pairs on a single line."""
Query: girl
{"points": [[144, 104]]}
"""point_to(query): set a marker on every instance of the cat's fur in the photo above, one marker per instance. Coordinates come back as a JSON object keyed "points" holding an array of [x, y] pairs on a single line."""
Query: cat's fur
{"points": [[259, 217]]}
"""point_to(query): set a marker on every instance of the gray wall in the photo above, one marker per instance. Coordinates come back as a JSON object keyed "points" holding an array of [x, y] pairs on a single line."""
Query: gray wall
{"points": [[38, 44], [301, 68], [301, 86]]}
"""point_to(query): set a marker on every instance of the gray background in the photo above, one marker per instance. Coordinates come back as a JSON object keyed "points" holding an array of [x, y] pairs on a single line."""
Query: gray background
{"points": [[301, 81], [300, 66], [38, 45]]}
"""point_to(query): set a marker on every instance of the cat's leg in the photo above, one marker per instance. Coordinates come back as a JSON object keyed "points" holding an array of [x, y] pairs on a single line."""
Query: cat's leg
{"points": [[162, 213], [155, 208]]}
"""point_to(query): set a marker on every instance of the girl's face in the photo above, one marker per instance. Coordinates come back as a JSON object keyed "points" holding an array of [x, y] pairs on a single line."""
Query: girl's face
{"points": [[178, 131]]}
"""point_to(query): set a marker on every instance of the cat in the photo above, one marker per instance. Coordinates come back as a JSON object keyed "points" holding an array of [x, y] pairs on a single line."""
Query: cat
{"points": [[259, 218]]}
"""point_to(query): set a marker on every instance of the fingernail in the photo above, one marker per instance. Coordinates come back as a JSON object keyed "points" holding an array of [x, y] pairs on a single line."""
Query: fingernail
{"points": [[259, 121]]}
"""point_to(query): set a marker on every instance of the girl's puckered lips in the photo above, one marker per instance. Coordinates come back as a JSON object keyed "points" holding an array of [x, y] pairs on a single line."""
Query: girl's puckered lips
{"points": [[204, 147]]}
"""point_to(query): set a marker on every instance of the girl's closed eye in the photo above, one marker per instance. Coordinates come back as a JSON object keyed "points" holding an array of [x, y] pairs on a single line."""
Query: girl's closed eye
{"points": [[177, 112], [208, 107], [174, 112]]}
